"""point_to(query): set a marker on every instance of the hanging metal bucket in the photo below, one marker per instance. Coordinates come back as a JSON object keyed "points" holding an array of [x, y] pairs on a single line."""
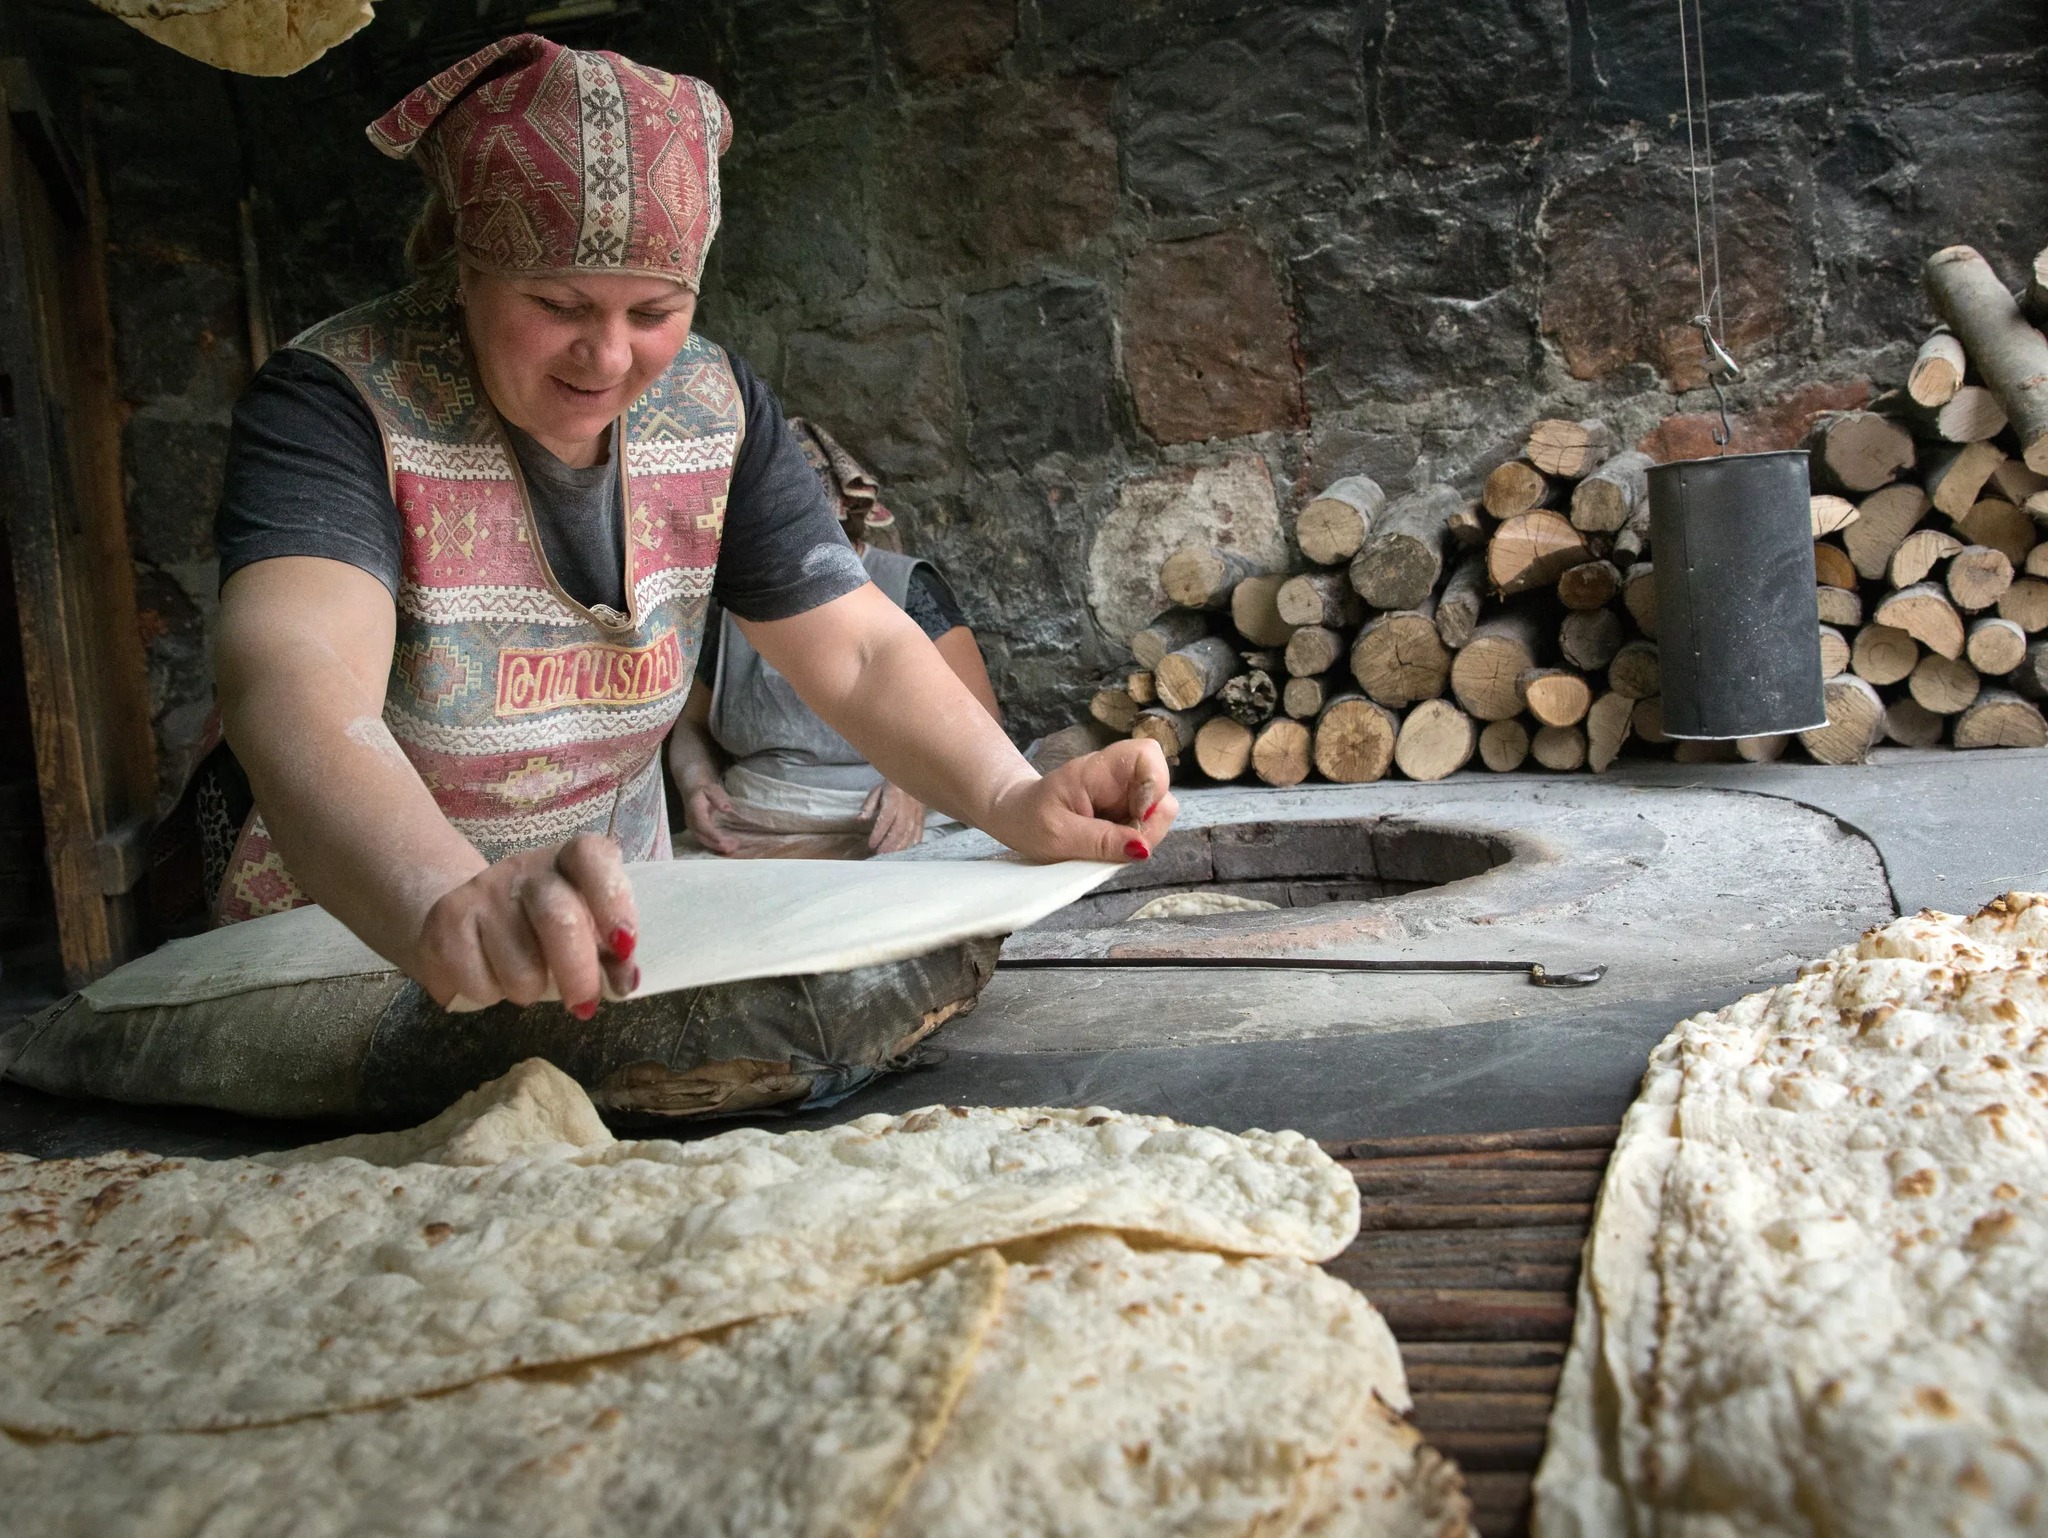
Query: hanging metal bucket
{"points": [[1738, 619]]}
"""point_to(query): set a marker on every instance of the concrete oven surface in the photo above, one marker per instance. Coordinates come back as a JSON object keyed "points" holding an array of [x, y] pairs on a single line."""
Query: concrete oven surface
{"points": [[1693, 885]]}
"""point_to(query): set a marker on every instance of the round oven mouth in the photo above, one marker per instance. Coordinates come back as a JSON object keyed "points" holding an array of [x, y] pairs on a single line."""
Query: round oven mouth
{"points": [[1250, 868]]}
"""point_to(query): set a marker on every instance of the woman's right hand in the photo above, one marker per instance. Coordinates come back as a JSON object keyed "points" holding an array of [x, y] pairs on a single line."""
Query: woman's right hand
{"points": [[563, 915], [701, 809]]}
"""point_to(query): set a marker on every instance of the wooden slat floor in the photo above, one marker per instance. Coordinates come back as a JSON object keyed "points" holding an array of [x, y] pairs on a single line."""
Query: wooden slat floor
{"points": [[1469, 1245]]}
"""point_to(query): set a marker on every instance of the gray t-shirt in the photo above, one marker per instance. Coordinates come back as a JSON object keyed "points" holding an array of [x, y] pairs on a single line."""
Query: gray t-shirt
{"points": [[577, 513], [306, 476]]}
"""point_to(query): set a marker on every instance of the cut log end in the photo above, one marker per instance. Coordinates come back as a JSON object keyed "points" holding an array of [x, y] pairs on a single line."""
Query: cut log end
{"points": [[1281, 752], [1911, 724], [1590, 639], [1556, 696], [1883, 655], [1938, 371], [1924, 613], [1186, 677], [2001, 719], [1944, 685], [1834, 651], [1486, 675], [1303, 698], [1569, 449], [1354, 740], [1399, 659], [1312, 650], [1831, 514], [1331, 528], [1516, 487], [1504, 746], [1593, 585], [1532, 551], [1436, 739], [2025, 603], [1854, 724], [1995, 647], [1198, 577], [1635, 672], [1115, 709], [1608, 725], [1223, 748], [1255, 611], [1859, 451], [1560, 749], [1317, 598]]}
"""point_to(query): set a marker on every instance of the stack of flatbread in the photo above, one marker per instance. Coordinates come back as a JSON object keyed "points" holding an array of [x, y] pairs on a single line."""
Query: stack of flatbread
{"points": [[1815, 1298], [966, 1322]]}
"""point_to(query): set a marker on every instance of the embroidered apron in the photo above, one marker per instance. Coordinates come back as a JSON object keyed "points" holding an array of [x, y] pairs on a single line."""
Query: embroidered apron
{"points": [[529, 717]]}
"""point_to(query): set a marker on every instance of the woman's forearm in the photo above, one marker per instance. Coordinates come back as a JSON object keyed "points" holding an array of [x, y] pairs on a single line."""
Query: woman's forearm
{"points": [[301, 694], [358, 830], [873, 675]]}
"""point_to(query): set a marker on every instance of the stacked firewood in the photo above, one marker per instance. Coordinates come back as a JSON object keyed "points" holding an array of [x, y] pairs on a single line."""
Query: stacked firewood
{"points": [[1520, 628], [1929, 514], [1427, 630]]}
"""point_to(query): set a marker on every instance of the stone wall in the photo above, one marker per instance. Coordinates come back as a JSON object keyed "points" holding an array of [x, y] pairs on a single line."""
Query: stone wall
{"points": [[161, 134], [1066, 271], [1081, 279]]}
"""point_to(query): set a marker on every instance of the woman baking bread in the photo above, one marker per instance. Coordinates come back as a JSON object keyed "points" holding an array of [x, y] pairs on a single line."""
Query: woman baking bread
{"points": [[469, 532]]}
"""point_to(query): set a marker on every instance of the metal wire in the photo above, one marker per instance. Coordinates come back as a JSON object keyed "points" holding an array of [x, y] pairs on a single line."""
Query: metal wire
{"points": [[1706, 223]]}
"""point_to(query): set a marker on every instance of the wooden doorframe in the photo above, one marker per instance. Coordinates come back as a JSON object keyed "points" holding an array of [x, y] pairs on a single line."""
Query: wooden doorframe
{"points": [[61, 504]]}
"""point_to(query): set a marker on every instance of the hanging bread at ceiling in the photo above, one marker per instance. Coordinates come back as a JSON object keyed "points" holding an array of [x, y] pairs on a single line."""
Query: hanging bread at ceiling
{"points": [[249, 37]]}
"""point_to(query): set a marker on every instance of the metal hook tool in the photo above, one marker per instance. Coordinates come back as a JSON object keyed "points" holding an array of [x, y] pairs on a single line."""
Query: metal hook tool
{"points": [[1538, 974]]}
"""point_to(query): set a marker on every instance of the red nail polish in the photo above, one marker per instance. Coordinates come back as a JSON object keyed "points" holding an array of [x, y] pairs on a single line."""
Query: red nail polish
{"points": [[585, 1011], [635, 982], [622, 942], [1136, 850]]}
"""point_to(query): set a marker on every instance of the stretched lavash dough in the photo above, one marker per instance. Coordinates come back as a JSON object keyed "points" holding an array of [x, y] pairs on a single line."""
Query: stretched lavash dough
{"points": [[1133, 1391], [144, 1294], [702, 923], [805, 1426], [1851, 1331], [250, 37]]}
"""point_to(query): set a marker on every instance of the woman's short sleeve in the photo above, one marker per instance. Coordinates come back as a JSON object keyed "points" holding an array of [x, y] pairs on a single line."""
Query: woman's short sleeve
{"points": [[783, 551], [305, 473]]}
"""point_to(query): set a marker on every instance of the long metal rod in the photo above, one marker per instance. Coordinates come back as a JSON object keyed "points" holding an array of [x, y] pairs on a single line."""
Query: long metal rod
{"points": [[1537, 972]]}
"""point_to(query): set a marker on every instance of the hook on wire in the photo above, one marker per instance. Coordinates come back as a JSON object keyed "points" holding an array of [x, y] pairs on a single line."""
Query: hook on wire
{"points": [[1721, 369]]}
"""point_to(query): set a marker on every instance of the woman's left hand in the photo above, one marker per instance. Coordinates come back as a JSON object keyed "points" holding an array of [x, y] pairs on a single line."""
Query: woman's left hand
{"points": [[898, 817], [1113, 805]]}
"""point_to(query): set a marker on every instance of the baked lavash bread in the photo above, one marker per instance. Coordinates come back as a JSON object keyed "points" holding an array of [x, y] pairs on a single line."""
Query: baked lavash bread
{"points": [[1815, 1297], [811, 1423], [1076, 1379], [148, 1294]]}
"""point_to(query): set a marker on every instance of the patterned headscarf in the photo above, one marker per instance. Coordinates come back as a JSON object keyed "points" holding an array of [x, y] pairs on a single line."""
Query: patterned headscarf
{"points": [[555, 161]]}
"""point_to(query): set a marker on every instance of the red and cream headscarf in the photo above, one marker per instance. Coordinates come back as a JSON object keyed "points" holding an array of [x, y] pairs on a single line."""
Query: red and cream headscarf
{"points": [[555, 161]]}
